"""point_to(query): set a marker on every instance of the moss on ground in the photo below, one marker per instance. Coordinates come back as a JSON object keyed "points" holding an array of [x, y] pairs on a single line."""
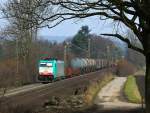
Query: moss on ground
{"points": [[131, 90]]}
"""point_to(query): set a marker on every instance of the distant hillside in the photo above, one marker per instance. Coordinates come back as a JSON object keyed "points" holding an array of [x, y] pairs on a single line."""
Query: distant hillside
{"points": [[120, 44], [60, 39]]}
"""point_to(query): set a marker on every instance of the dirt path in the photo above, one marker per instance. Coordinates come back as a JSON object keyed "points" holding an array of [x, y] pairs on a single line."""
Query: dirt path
{"points": [[111, 96]]}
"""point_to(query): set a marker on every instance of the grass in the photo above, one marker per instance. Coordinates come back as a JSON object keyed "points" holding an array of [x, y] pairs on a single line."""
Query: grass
{"points": [[95, 87], [131, 90]]}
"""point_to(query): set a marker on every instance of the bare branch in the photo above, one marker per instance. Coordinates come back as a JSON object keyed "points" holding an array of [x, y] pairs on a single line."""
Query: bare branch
{"points": [[126, 40]]}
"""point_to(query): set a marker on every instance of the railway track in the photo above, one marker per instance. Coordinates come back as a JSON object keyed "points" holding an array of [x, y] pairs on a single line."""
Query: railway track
{"points": [[35, 95], [22, 89]]}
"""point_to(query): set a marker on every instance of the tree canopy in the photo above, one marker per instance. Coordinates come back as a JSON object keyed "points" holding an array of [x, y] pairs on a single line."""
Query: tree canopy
{"points": [[80, 40]]}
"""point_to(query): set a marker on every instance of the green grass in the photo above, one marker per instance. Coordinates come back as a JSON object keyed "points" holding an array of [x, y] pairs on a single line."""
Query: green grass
{"points": [[131, 90]]}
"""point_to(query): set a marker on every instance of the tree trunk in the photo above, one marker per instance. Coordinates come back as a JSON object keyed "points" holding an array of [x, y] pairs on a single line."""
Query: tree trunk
{"points": [[147, 84]]}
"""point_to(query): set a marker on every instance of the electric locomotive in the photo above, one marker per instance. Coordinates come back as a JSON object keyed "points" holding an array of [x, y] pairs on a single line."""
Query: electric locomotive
{"points": [[50, 69]]}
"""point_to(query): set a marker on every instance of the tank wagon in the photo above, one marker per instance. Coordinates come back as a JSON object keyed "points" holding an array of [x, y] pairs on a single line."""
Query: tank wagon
{"points": [[53, 69]]}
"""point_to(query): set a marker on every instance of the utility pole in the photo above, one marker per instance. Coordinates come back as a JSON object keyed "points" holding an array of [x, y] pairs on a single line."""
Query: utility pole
{"points": [[65, 54], [17, 62], [89, 48], [108, 50]]}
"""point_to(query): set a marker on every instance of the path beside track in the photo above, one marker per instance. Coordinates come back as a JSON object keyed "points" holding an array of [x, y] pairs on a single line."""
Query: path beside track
{"points": [[111, 96]]}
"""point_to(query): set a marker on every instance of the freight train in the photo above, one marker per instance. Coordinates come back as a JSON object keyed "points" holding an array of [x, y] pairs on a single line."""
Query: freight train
{"points": [[52, 69]]}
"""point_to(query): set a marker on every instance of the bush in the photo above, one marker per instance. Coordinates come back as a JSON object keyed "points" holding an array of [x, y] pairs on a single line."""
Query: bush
{"points": [[131, 90], [10, 77], [7, 73], [125, 68]]}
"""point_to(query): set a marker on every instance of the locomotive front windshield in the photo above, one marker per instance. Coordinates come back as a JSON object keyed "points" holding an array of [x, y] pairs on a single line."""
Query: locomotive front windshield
{"points": [[46, 65]]}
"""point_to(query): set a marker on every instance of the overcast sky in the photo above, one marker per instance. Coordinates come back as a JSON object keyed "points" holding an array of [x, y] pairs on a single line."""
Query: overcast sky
{"points": [[69, 28]]}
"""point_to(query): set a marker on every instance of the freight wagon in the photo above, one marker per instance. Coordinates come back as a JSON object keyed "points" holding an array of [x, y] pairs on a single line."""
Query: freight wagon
{"points": [[53, 69]]}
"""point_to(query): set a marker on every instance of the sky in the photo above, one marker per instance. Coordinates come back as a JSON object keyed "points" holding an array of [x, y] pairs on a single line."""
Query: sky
{"points": [[70, 27]]}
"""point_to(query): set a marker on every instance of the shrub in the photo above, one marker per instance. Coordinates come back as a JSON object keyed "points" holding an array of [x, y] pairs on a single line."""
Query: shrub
{"points": [[7, 73], [125, 68], [10, 77]]}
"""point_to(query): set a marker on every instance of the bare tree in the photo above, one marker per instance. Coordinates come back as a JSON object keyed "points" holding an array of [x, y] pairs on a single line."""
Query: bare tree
{"points": [[19, 29], [134, 14]]}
